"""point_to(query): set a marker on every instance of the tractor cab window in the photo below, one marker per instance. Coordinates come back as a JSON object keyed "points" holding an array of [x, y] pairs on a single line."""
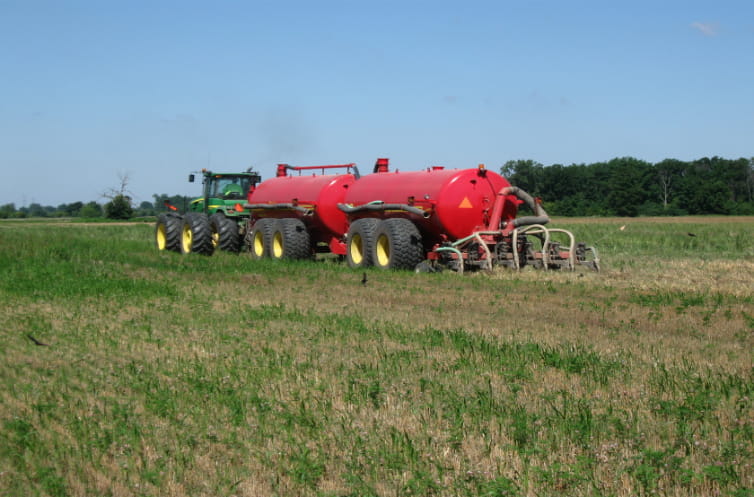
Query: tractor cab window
{"points": [[230, 187]]}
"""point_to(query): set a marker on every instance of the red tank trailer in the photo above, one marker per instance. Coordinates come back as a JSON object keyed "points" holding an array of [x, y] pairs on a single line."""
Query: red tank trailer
{"points": [[424, 220], [293, 215]]}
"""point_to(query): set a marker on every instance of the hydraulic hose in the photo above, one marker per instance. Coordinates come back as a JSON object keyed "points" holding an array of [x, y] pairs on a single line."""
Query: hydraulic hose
{"points": [[539, 217], [381, 206]]}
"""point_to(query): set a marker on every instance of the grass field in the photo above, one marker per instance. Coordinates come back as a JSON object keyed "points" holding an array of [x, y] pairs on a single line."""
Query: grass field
{"points": [[195, 376]]}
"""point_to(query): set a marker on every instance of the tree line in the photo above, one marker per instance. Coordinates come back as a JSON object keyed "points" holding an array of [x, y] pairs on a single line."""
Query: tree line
{"points": [[118, 207], [623, 186], [631, 187]]}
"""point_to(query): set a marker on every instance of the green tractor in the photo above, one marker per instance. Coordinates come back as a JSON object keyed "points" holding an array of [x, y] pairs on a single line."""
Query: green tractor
{"points": [[216, 220]]}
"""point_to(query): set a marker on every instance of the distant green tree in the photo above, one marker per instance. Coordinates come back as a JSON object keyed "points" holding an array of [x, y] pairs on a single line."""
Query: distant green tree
{"points": [[91, 210], [145, 209], [71, 210], [38, 210], [627, 185], [711, 197], [119, 208], [735, 175], [7, 211], [525, 174]]}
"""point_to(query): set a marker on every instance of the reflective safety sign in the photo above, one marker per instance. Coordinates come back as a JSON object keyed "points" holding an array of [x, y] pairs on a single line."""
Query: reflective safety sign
{"points": [[465, 203]]}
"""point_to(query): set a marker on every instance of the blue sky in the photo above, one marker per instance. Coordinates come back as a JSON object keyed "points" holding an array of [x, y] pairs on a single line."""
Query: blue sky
{"points": [[94, 90]]}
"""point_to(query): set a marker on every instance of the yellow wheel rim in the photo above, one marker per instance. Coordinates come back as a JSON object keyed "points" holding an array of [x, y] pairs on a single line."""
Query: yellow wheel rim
{"points": [[258, 245], [215, 238], [277, 245], [356, 249], [162, 238], [187, 239], [383, 251]]}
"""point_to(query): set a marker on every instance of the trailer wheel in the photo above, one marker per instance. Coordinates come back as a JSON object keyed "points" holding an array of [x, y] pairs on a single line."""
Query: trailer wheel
{"points": [[397, 245], [224, 233], [196, 236], [167, 232], [290, 240], [259, 238], [360, 241]]}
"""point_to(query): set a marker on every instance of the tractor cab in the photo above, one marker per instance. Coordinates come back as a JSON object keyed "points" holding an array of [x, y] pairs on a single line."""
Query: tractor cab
{"points": [[222, 191]]}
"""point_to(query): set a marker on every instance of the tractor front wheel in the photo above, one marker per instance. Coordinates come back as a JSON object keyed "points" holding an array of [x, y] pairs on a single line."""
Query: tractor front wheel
{"points": [[167, 232], [397, 245], [196, 236]]}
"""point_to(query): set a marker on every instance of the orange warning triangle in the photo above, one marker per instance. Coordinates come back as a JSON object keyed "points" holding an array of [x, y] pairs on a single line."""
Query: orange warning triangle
{"points": [[465, 203]]}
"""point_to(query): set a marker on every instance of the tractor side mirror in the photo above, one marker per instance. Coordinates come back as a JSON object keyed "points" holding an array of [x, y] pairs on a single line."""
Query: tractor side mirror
{"points": [[191, 178]]}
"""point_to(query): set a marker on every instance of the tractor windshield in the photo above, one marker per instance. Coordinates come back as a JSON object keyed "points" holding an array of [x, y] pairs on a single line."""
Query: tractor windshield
{"points": [[230, 187]]}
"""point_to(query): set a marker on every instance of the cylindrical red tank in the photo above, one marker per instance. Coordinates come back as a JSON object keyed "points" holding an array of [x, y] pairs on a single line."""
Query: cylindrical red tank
{"points": [[458, 202], [295, 194]]}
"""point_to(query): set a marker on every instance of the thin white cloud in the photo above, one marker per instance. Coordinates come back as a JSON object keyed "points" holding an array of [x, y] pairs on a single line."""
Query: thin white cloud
{"points": [[706, 28]]}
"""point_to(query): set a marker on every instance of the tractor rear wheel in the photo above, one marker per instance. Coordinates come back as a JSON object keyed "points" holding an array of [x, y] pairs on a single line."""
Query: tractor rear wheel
{"points": [[360, 241], [259, 238], [397, 245], [290, 240], [224, 233], [196, 236], [167, 232]]}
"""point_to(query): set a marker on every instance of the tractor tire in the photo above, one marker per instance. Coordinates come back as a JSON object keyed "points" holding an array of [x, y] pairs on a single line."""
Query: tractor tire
{"points": [[224, 233], [360, 242], [196, 236], [260, 237], [290, 240], [167, 232], [397, 245]]}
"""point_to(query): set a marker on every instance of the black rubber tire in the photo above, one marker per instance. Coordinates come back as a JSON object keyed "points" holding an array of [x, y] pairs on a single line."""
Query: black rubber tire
{"points": [[224, 233], [260, 237], [196, 236], [290, 240], [359, 242], [167, 232], [397, 245]]}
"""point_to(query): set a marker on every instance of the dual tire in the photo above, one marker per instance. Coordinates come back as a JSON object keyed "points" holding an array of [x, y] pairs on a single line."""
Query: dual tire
{"points": [[285, 238], [388, 244], [224, 233], [196, 235], [167, 232], [360, 240]]}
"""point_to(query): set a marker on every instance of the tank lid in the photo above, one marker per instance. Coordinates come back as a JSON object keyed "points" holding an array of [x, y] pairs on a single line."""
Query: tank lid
{"points": [[381, 166]]}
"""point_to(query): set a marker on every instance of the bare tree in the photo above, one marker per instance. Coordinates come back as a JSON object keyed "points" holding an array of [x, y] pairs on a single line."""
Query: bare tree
{"points": [[669, 174], [122, 190], [666, 180], [119, 206]]}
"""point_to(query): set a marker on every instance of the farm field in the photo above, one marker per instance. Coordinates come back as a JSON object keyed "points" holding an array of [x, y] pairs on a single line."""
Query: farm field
{"points": [[206, 376]]}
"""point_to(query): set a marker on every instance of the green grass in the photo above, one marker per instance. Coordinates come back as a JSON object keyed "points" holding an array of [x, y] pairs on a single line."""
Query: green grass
{"points": [[171, 375]]}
